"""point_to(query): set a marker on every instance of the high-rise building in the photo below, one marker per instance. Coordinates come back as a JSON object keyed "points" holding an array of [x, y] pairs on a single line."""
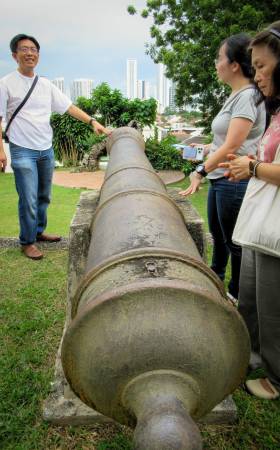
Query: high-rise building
{"points": [[163, 89], [131, 78], [141, 89], [172, 96], [147, 91], [81, 87], [152, 91], [59, 82]]}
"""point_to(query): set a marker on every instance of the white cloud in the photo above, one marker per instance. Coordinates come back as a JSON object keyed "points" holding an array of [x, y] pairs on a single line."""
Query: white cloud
{"points": [[95, 23], [86, 38]]}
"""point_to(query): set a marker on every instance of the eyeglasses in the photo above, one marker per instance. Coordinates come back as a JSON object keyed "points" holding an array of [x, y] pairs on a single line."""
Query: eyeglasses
{"points": [[28, 49]]}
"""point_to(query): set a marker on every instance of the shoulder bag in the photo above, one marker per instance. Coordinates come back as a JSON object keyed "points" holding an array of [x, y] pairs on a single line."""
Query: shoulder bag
{"points": [[19, 107], [258, 222]]}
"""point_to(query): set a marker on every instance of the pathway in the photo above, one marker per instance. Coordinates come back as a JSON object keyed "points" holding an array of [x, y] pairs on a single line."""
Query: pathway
{"points": [[94, 180]]}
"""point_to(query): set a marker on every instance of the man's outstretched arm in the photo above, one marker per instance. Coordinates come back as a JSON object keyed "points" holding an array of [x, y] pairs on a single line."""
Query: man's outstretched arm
{"points": [[78, 114]]}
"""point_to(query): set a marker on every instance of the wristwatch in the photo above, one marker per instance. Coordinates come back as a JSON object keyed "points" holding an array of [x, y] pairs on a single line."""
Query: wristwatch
{"points": [[92, 119], [201, 170]]}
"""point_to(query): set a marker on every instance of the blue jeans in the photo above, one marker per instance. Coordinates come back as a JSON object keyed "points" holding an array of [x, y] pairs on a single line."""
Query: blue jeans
{"points": [[224, 202], [33, 170]]}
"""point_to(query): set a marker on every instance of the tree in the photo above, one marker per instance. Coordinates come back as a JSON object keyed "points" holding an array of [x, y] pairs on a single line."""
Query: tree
{"points": [[109, 103], [187, 34], [86, 105], [73, 138], [117, 111]]}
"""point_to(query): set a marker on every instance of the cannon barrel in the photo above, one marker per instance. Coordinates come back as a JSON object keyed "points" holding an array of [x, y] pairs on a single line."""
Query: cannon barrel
{"points": [[153, 343]]}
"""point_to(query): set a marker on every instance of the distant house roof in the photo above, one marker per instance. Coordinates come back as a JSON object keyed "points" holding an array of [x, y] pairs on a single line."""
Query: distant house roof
{"points": [[194, 139], [180, 135]]}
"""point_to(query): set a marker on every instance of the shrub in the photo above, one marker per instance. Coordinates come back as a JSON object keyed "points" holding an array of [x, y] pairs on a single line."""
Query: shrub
{"points": [[91, 140], [72, 139], [163, 156]]}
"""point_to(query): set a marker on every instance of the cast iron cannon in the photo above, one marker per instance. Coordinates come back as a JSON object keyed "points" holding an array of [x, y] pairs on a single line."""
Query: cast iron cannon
{"points": [[153, 343]]}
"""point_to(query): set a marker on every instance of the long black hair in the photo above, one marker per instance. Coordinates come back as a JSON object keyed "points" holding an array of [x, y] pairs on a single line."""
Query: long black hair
{"points": [[270, 37], [237, 50]]}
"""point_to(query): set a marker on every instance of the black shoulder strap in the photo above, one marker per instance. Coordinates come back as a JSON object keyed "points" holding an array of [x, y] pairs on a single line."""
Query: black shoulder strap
{"points": [[22, 103]]}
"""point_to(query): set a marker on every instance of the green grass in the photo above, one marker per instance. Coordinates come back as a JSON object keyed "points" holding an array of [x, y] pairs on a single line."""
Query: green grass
{"points": [[31, 319], [32, 312], [198, 200], [60, 212], [63, 204]]}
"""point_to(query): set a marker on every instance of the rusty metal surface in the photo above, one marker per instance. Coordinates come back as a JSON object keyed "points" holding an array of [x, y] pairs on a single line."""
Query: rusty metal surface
{"points": [[149, 309]]}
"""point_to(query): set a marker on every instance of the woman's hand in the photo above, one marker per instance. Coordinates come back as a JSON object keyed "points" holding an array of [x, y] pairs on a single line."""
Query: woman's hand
{"points": [[194, 186], [238, 167], [206, 149]]}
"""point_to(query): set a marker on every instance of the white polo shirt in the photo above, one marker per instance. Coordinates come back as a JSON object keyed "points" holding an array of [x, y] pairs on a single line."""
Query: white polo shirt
{"points": [[31, 126]]}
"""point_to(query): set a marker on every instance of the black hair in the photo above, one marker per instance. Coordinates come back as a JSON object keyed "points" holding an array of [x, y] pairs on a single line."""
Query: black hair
{"points": [[19, 37], [237, 50], [270, 37]]}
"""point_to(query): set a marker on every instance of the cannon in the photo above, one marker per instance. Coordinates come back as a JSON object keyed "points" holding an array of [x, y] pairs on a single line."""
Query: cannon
{"points": [[153, 343]]}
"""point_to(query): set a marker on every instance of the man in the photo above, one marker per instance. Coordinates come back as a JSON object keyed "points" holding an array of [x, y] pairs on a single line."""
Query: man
{"points": [[30, 136]]}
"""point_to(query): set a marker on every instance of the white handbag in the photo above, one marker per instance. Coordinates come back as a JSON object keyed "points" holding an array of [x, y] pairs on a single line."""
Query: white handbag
{"points": [[258, 222]]}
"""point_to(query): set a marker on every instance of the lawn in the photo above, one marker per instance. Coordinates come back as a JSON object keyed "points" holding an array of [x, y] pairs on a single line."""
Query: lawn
{"points": [[198, 200], [60, 212], [62, 207], [32, 312]]}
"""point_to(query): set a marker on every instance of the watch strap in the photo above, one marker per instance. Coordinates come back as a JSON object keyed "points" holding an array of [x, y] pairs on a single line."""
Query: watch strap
{"points": [[201, 170], [92, 119]]}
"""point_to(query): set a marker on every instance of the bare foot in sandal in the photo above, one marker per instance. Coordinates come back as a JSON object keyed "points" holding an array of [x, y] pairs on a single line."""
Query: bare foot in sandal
{"points": [[262, 388]]}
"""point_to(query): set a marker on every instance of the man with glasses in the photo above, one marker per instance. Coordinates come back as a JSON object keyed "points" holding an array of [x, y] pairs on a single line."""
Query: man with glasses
{"points": [[30, 139]]}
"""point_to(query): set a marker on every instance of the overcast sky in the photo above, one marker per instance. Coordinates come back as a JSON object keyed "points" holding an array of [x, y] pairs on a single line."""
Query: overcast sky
{"points": [[81, 39]]}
